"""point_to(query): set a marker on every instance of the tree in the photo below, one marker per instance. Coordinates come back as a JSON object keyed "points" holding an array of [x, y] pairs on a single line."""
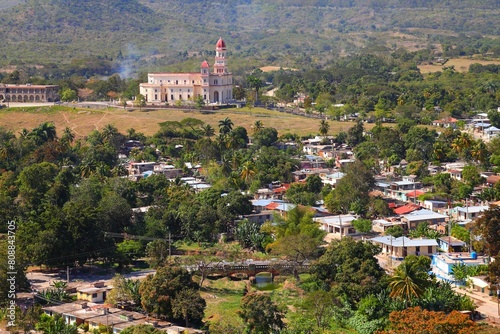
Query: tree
{"points": [[352, 189], [296, 249], [159, 290], [395, 231], [127, 251], [68, 94], [350, 269], [417, 321], [248, 172], [249, 235], [141, 329], [55, 325], [199, 102], [208, 130], [125, 291], [255, 83], [140, 101], [189, 306], [323, 127], [265, 137], [257, 126], [409, 281], [260, 314], [488, 228], [157, 252], [471, 176], [21, 282], [362, 225], [225, 126]]}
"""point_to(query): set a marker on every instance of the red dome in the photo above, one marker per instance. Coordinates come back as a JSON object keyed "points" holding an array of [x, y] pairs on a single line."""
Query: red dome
{"points": [[205, 64], [220, 44]]}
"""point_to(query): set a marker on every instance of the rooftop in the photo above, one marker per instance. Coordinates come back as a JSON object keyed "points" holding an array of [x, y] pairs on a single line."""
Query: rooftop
{"points": [[404, 241]]}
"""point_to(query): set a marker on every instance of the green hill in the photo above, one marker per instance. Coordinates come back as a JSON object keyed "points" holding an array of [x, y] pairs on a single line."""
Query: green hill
{"points": [[156, 33]]}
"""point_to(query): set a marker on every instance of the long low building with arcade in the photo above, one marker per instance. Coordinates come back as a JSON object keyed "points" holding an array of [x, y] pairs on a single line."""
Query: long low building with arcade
{"points": [[29, 93]]}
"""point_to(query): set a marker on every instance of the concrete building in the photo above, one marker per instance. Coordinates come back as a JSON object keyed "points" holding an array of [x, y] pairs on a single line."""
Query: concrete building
{"points": [[29, 93], [339, 225], [214, 87], [399, 248]]}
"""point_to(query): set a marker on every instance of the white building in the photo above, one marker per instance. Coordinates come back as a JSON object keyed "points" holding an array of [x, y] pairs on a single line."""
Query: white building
{"points": [[214, 87]]}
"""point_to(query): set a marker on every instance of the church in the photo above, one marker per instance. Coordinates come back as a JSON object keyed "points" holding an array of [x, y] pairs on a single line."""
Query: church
{"points": [[216, 86]]}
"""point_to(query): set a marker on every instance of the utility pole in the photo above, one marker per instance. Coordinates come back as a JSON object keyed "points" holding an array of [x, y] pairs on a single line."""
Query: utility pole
{"points": [[169, 244], [67, 274]]}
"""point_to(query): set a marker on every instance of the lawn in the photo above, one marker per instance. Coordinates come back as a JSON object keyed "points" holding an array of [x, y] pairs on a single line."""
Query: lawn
{"points": [[82, 121], [223, 298]]}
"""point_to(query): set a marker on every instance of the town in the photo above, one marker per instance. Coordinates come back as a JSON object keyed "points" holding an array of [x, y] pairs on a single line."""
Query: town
{"points": [[358, 198]]}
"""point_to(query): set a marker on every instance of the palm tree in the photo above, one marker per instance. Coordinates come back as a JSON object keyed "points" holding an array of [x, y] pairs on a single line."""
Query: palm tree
{"points": [[257, 126], [462, 142], [324, 126], [225, 126], [108, 132], [208, 130], [255, 83], [68, 136], [408, 282], [248, 171], [46, 131], [479, 152]]}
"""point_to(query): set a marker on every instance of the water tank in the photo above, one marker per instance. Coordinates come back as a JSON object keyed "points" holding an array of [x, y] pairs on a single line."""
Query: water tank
{"points": [[473, 255]]}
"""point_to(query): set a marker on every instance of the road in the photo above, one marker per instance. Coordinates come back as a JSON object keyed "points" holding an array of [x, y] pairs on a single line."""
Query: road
{"points": [[41, 281]]}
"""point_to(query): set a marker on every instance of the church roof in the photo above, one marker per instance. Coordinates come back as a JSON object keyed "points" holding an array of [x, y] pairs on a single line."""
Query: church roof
{"points": [[205, 64], [220, 44]]}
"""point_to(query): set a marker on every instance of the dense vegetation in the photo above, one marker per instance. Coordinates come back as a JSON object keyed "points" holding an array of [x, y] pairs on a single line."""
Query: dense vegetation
{"points": [[148, 34]]}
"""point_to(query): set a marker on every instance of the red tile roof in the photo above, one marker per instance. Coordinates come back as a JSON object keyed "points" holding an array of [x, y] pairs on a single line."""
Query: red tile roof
{"points": [[272, 206], [415, 193], [402, 210]]}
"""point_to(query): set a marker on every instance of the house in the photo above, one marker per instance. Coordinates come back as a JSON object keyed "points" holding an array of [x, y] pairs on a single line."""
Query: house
{"points": [[332, 178], [399, 248], [451, 244], [447, 122], [168, 170], [95, 294], [340, 163], [281, 208], [141, 167], [399, 189], [406, 209], [260, 217], [66, 311], [339, 225], [111, 318], [470, 212], [414, 218], [456, 174], [442, 263], [435, 205], [381, 225], [491, 132], [492, 180]]}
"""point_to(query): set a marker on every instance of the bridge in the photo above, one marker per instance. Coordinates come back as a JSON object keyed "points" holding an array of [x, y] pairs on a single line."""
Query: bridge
{"points": [[250, 268]]}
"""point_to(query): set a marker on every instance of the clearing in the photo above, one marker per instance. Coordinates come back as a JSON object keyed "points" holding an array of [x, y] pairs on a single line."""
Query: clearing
{"points": [[461, 65], [82, 121]]}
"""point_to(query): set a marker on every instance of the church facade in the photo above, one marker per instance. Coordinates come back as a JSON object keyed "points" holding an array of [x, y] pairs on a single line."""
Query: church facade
{"points": [[216, 86]]}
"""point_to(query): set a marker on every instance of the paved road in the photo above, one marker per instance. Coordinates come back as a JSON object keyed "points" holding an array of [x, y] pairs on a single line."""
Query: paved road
{"points": [[485, 304], [42, 281]]}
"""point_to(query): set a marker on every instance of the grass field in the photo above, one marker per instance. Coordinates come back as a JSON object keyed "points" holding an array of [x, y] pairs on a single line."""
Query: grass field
{"points": [[461, 65], [83, 121]]}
